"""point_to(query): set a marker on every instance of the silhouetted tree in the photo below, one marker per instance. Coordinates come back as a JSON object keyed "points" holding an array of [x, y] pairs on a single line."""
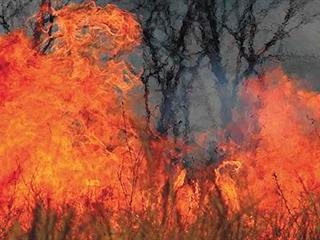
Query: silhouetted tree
{"points": [[210, 25], [235, 39]]}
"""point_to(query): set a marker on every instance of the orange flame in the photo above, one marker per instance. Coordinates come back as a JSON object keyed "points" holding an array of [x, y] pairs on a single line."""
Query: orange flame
{"points": [[68, 131], [66, 126], [280, 149]]}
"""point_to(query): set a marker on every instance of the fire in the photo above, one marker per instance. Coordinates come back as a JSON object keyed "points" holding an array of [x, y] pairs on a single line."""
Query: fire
{"points": [[280, 149], [69, 133], [227, 184], [66, 122]]}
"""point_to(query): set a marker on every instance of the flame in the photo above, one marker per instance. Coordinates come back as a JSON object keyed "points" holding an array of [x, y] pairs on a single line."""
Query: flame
{"points": [[68, 129], [279, 150], [66, 123], [227, 184]]}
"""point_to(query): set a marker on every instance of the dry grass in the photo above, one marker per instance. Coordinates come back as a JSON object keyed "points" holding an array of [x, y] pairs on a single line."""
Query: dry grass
{"points": [[213, 222]]}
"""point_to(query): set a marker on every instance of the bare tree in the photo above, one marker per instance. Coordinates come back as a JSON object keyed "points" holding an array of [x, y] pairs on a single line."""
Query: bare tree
{"points": [[212, 24], [234, 37]]}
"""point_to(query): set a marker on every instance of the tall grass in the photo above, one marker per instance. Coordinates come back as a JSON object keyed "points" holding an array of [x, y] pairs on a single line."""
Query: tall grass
{"points": [[214, 221]]}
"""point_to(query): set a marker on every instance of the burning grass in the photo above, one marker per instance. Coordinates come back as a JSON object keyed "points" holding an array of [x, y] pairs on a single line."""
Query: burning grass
{"points": [[214, 221], [77, 164]]}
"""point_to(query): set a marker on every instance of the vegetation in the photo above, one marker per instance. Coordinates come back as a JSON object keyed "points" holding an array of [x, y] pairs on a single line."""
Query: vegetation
{"points": [[213, 221]]}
